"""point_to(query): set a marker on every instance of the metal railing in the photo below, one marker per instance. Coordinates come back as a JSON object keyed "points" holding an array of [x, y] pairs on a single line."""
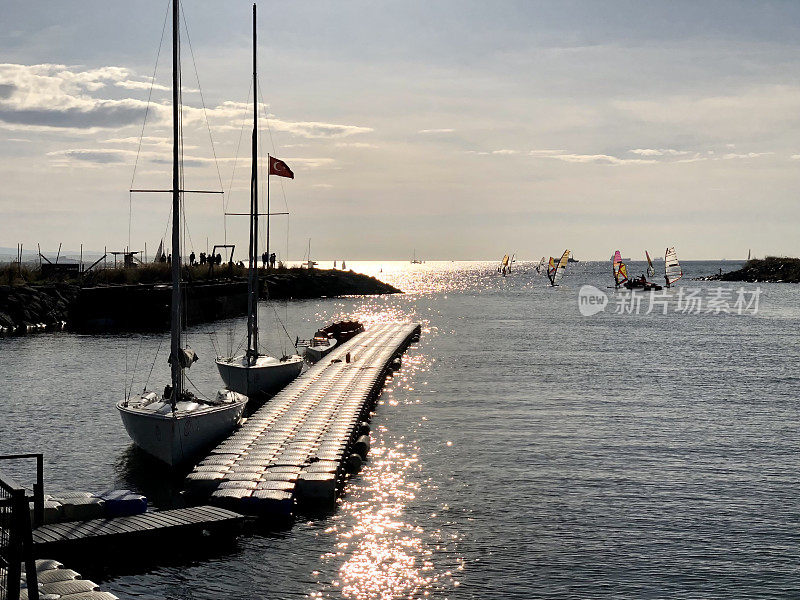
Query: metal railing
{"points": [[16, 530]]}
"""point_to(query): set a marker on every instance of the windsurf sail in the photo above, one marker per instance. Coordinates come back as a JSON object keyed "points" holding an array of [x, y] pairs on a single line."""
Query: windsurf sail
{"points": [[619, 269], [541, 265], [504, 262], [651, 270], [556, 271], [672, 268]]}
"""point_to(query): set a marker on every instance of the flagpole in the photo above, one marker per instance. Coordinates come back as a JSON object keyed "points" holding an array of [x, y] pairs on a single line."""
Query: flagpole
{"points": [[269, 159]]}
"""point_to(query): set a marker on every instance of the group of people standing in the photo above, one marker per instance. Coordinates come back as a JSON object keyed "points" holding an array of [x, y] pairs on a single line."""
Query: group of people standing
{"points": [[216, 259], [205, 259], [271, 258]]}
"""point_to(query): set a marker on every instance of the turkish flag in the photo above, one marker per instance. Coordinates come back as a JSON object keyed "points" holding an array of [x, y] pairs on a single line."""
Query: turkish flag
{"points": [[279, 168]]}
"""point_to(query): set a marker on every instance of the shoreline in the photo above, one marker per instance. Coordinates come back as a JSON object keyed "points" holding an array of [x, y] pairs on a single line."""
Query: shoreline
{"points": [[112, 301]]}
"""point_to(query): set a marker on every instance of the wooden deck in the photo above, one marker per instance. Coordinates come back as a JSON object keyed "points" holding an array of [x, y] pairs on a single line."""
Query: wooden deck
{"points": [[162, 525]]}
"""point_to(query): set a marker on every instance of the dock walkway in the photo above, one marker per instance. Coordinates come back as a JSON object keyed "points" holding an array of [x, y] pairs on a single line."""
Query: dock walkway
{"points": [[159, 527], [298, 447]]}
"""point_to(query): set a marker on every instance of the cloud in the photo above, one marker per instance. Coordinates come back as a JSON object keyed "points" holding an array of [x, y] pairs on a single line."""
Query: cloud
{"points": [[606, 159], [505, 151], [310, 163], [56, 96], [98, 156], [51, 96], [731, 156], [647, 152], [161, 156], [315, 129], [142, 85], [660, 152], [545, 152], [436, 131], [349, 145]]}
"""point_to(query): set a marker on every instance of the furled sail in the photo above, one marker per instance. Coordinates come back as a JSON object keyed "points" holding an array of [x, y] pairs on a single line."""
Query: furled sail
{"points": [[651, 270], [619, 269], [672, 268], [556, 271]]}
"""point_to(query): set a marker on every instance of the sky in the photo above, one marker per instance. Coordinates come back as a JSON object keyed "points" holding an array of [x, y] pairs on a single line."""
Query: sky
{"points": [[462, 130]]}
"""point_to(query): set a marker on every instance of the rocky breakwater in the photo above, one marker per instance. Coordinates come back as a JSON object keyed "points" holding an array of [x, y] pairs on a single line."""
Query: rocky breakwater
{"points": [[27, 308], [772, 269], [285, 284]]}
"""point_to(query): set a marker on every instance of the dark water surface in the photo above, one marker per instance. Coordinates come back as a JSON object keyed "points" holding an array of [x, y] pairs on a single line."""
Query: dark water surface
{"points": [[523, 451]]}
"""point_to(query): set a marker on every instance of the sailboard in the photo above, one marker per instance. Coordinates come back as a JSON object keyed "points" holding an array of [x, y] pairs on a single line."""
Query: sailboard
{"points": [[555, 271], [651, 270], [619, 269], [672, 268]]}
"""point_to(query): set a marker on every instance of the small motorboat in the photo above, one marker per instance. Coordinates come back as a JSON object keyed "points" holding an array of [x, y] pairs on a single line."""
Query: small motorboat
{"points": [[641, 284], [327, 338]]}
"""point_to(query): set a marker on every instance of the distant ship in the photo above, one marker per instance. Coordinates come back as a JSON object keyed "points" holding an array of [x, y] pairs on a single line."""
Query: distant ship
{"points": [[414, 260]]}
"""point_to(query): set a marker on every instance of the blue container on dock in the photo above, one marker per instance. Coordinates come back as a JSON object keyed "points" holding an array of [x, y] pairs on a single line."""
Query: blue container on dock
{"points": [[123, 503]]}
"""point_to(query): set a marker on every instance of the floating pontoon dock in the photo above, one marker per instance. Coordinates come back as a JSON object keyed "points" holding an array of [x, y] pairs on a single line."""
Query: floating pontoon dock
{"points": [[298, 446], [159, 527]]}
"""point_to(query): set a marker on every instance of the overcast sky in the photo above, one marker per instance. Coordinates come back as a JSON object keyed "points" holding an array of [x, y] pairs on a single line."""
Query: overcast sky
{"points": [[462, 129]]}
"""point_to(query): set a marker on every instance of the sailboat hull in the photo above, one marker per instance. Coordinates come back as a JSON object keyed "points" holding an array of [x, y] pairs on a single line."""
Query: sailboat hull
{"points": [[177, 438], [267, 376]]}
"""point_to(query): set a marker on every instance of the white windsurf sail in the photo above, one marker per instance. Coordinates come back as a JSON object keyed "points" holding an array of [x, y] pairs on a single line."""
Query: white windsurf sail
{"points": [[672, 268]]}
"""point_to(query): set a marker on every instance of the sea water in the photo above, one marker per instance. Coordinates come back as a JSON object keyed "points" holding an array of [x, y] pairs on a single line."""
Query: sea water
{"points": [[524, 450]]}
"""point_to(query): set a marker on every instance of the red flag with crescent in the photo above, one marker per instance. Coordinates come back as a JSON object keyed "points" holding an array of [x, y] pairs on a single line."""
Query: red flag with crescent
{"points": [[279, 168]]}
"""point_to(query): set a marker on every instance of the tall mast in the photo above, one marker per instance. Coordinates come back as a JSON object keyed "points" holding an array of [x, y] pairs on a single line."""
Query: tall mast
{"points": [[177, 371], [252, 283]]}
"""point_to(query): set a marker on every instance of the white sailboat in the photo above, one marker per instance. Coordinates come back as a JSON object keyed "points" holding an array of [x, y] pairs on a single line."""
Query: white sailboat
{"points": [[253, 373], [176, 425], [308, 262], [414, 259]]}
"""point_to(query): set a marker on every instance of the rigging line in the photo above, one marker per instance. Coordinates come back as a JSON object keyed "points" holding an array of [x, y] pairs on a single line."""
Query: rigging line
{"points": [[211, 337], [278, 318], [272, 142], [280, 180], [238, 147], [146, 381], [201, 394], [135, 366], [205, 115], [144, 123]]}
